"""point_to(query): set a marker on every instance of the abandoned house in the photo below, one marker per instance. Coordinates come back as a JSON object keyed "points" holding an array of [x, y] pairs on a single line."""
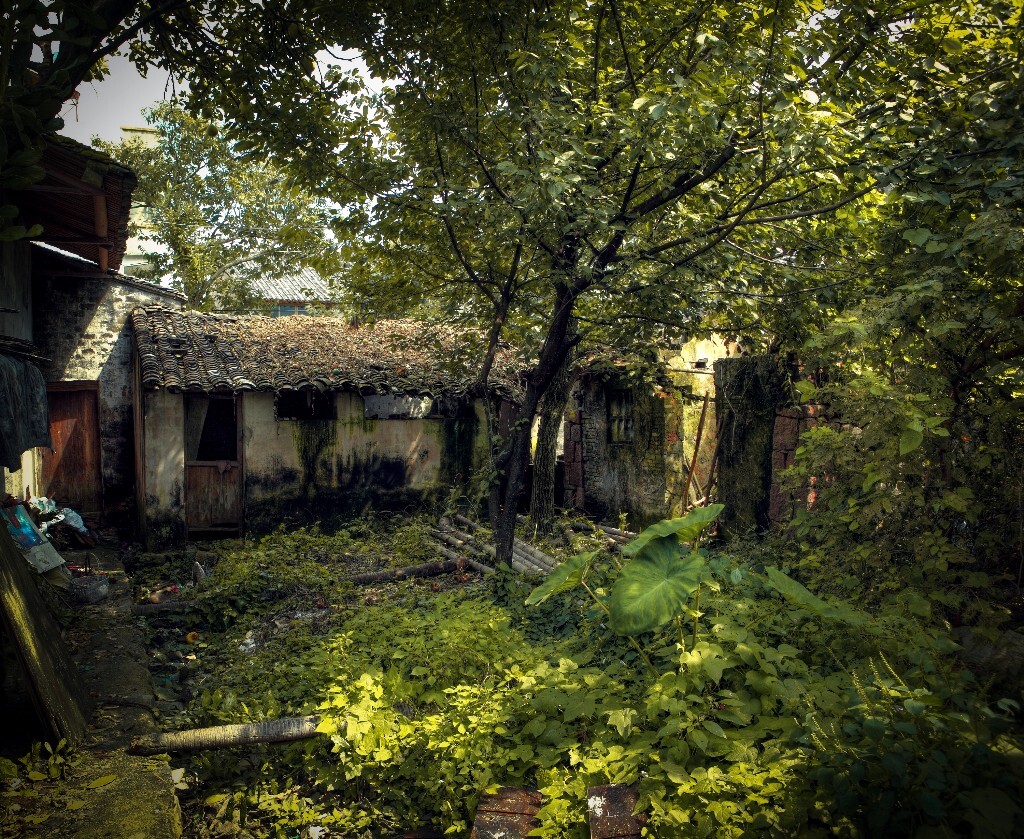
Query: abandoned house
{"points": [[64, 313], [249, 421]]}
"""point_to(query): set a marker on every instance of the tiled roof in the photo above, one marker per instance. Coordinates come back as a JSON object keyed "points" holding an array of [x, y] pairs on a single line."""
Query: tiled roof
{"points": [[189, 351], [306, 285]]}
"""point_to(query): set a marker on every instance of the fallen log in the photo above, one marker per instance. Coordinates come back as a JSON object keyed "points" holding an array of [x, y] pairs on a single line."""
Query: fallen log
{"points": [[427, 569], [225, 736], [472, 563]]}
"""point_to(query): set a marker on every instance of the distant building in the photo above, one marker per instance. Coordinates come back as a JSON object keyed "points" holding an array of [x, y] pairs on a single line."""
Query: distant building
{"points": [[292, 295], [139, 248]]}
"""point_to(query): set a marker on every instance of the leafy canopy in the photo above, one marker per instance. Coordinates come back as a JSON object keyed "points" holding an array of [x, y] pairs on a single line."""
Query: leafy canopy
{"points": [[217, 221]]}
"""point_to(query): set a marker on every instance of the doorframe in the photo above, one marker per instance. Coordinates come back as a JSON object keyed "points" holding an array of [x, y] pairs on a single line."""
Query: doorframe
{"points": [[239, 461]]}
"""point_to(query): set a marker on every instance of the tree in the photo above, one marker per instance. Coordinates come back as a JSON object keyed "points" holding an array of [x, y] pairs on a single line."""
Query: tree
{"points": [[48, 48], [221, 221], [619, 163]]}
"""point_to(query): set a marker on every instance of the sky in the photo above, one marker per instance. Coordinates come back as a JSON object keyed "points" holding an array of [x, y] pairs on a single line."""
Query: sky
{"points": [[117, 100]]}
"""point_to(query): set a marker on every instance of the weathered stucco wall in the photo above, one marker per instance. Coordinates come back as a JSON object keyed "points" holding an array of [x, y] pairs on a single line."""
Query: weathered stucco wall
{"points": [[163, 471], [81, 328], [309, 470], [621, 471]]}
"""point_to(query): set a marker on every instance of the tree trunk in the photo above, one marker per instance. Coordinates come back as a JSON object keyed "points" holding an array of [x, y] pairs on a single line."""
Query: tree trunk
{"points": [[516, 454], [542, 501]]}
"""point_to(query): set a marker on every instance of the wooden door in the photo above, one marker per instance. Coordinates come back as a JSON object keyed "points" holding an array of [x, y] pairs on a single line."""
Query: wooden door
{"points": [[213, 468], [213, 493], [71, 472]]}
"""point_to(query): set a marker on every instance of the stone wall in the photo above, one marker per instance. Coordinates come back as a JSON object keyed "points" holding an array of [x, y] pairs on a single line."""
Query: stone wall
{"points": [[80, 326], [617, 456]]}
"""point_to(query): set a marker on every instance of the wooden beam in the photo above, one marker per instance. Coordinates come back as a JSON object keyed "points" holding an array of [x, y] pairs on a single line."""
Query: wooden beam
{"points": [[79, 184], [76, 240], [62, 189]]}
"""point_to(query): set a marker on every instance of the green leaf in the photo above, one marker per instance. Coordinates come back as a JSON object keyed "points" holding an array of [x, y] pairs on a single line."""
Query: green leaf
{"points": [[714, 728], [654, 587], [687, 528], [917, 236], [566, 576], [800, 596], [102, 781], [910, 439]]}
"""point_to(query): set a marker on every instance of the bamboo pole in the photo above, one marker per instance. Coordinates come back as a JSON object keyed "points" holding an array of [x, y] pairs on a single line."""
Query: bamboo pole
{"points": [[520, 563], [426, 569], [450, 554], [696, 448], [528, 552], [615, 533], [283, 730]]}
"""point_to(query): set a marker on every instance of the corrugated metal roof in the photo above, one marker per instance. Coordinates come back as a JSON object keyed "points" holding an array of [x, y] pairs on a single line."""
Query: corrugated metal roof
{"points": [[305, 286], [189, 351]]}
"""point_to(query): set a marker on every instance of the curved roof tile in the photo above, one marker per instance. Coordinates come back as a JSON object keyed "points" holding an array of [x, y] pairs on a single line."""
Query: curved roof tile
{"points": [[191, 351]]}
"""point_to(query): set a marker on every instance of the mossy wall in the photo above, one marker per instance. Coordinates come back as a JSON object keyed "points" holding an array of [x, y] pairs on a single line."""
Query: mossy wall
{"points": [[749, 390], [619, 476], [299, 471]]}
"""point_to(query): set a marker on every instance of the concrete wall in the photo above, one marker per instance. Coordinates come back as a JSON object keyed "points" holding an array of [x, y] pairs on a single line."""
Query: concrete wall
{"points": [[310, 470], [607, 478], [163, 467], [81, 327]]}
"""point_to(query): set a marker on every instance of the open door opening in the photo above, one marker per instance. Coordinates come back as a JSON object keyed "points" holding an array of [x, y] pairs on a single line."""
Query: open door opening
{"points": [[213, 468]]}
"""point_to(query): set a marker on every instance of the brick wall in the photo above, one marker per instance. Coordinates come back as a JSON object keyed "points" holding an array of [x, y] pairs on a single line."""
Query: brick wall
{"points": [[81, 326], [790, 423]]}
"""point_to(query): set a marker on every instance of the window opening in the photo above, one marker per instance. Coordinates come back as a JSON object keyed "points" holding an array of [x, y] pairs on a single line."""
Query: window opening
{"points": [[211, 428], [620, 416], [304, 405]]}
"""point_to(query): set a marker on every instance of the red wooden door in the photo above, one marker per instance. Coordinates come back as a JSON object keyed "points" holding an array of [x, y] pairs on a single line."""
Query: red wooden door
{"points": [[71, 472]]}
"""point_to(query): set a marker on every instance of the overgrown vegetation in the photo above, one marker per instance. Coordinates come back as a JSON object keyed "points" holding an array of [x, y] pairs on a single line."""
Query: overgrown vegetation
{"points": [[762, 709]]}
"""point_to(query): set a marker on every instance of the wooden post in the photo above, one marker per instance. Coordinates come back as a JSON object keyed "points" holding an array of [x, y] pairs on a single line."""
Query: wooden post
{"points": [[696, 451]]}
